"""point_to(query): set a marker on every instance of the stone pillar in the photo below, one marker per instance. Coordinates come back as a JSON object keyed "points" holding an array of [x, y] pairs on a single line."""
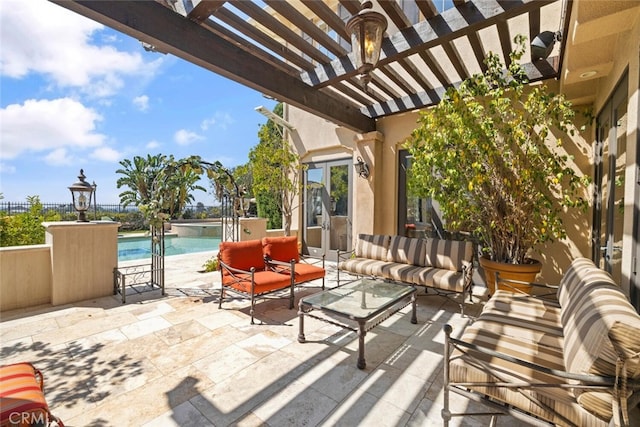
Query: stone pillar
{"points": [[367, 197], [83, 256], [252, 228]]}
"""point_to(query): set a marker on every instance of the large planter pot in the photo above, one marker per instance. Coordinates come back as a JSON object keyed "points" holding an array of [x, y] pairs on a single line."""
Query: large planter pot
{"points": [[521, 272]]}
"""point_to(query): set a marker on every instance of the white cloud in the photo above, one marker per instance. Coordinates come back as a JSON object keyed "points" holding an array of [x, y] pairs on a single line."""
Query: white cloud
{"points": [[59, 157], [106, 154], [152, 144], [141, 102], [7, 168], [41, 37], [43, 125], [186, 137], [220, 119]]}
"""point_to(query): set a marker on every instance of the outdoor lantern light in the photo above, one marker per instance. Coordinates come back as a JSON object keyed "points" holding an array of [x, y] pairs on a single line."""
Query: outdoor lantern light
{"points": [[542, 44], [81, 193], [366, 30], [362, 168]]}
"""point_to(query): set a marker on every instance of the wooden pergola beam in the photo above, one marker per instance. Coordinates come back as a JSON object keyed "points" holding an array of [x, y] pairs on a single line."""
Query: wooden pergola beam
{"points": [[460, 21], [153, 23]]}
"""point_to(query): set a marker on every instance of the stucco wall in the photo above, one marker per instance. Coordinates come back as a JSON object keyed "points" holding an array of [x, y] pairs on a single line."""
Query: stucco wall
{"points": [[83, 257], [25, 276]]}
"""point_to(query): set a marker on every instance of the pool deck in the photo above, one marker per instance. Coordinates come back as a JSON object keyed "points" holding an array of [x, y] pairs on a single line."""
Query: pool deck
{"points": [[178, 360]]}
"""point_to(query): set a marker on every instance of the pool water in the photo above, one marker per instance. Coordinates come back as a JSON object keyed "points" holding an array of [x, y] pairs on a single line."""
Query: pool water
{"points": [[131, 248]]}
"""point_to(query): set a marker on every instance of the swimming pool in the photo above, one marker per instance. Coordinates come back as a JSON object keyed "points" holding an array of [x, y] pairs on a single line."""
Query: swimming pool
{"points": [[130, 248]]}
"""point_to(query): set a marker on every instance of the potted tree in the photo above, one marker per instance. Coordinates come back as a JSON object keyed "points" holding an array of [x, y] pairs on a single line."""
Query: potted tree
{"points": [[490, 153]]}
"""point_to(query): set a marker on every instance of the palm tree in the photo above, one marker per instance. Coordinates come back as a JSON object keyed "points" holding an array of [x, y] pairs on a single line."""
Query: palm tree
{"points": [[139, 176], [159, 180]]}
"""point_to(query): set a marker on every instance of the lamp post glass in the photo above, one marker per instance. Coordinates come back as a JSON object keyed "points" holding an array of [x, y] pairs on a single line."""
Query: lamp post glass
{"points": [[366, 29], [81, 195]]}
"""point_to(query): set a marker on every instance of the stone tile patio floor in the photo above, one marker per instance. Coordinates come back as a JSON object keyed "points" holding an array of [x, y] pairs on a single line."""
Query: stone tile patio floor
{"points": [[178, 360]]}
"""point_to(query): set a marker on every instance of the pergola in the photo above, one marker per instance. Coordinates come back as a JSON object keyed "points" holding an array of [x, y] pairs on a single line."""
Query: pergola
{"points": [[299, 52]]}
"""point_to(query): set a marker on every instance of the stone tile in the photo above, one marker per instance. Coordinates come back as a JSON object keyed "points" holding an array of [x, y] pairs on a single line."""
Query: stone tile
{"points": [[396, 387], [144, 404], [79, 315], [183, 415], [335, 378], [145, 327], [223, 364], [220, 318], [181, 332], [263, 343], [294, 405], [11, 331], [233, 399], [85, 328], [420, 363], [149, 311], [195, 349], [361, 408], [90, 343]]}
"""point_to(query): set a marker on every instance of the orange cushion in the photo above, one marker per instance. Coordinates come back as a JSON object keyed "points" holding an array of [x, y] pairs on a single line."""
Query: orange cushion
{"points": [[266, 281], [242, 255], [307, 272], [281, 248], [21, 395]]}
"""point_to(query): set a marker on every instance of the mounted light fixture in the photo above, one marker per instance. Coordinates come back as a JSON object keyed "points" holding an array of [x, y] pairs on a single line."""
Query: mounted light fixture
{"points": [[362, 168], [542, 44], [366, 30], [81, 194]]}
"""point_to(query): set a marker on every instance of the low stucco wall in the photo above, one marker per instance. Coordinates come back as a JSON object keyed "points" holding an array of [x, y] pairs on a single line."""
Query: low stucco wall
{"points": [[83, 257], [25, 276]]}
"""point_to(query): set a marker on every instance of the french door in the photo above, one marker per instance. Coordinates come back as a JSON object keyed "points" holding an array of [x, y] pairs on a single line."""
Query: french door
{"points": [[327, 208], [610, 162]]}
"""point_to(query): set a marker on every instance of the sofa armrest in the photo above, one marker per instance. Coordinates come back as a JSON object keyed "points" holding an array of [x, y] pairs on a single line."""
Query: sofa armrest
{"points": [[232, 270], [288, 267]]}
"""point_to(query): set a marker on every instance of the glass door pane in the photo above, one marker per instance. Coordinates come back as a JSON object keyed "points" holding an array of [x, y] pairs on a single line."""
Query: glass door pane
{"points": [[314, 210], [610, 161], [339, 223], [616, 211]]}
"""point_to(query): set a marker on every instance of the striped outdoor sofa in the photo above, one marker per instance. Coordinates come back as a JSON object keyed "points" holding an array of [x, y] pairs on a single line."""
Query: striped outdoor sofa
{"points": [[574, 361], [443, 265]]}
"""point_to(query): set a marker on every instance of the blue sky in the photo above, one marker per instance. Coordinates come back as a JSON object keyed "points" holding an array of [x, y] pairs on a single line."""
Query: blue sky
{"points": [[75, 94]]}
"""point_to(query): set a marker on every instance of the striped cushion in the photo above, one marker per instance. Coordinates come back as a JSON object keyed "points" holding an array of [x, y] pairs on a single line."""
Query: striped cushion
{"points": [[520, 315], [372, 246], [363, 266], [406, 250], [572, 278], [21, 393], [599, 323], [489, 334], [447, 254], [600, 327]]}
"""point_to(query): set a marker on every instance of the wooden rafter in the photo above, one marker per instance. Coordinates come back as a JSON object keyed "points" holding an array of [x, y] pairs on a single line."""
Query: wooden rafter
{"points": [[161, 27], [280, 49]]}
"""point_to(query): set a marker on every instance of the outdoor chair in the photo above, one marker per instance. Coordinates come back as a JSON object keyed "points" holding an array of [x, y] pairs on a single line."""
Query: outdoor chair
{"points": [[22, 401]]}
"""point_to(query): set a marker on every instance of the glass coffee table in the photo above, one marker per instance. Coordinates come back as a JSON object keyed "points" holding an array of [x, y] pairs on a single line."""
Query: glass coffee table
{"points": [[368, 302]]}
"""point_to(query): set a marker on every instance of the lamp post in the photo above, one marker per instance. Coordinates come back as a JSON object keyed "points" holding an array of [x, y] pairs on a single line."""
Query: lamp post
{"points": [[81, 194], [366, 29], [95, 203]]}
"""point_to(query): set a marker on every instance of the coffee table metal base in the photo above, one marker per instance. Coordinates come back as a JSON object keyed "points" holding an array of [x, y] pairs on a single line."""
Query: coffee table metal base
{"points": [[366, 323]]}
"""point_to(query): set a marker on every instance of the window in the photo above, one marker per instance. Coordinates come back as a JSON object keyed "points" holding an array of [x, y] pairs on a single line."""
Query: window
{"points": [[416, 216]]}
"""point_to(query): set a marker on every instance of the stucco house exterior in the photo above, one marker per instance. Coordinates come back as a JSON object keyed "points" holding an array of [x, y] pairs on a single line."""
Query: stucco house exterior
{"points": [[298, 52], [600, 76]]}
